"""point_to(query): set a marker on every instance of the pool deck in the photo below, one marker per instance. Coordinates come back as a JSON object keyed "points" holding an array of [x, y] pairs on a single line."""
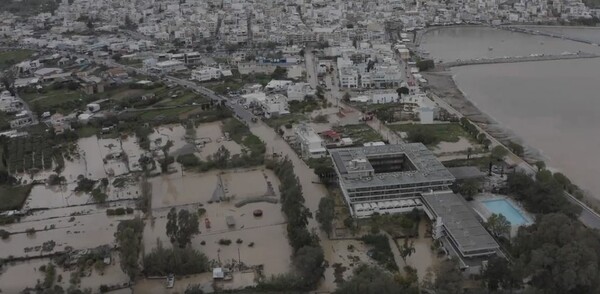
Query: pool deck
{"points": [[483, 212]]}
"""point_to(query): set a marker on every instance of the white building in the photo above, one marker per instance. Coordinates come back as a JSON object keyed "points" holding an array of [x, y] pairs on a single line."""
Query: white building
{"points": [[206, 74], [310, 142], [275, 105], [9, 103], [168, 66], [278, 85], [297, 91]]}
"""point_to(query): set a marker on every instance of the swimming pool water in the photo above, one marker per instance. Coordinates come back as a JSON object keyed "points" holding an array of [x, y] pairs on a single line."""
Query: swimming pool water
{"points": [[505, 208]]}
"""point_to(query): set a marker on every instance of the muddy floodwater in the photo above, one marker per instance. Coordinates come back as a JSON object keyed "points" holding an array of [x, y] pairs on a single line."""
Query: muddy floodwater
{"points": [[19, 276], [195, 190]]}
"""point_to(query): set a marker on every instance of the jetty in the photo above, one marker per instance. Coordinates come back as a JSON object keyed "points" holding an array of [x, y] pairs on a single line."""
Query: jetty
{"points": [[515, 59]]}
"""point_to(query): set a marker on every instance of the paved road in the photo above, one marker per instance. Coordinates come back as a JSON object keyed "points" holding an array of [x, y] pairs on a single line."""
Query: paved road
{"points": [[311, 68]]}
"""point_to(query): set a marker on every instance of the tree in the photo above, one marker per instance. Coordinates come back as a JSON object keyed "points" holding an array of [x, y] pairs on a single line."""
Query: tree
{"points": [[164, 165], [499, 152], [469, 188], [179, 261], [407, 249], [325, 214], [540, 165], [469, 151], [187, 227], [128, 237], [221, 157], [499, 273], [172, 224], [448, 278], [346, 97], [90, 24], [402, 91], [308, 262], [369, 279], [559, 255], [498, 225], [563, 180], [50, 276], [424, 65], [279, 73], [516, 148]]}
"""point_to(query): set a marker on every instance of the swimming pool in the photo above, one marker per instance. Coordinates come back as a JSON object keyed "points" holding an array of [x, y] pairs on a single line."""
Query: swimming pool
{"points": [[505, 208]]}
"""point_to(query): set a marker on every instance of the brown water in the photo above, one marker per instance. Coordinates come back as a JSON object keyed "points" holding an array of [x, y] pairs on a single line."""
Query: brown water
{"points": [[85, 231], [25, 274], [465, 43], [551, 105], [268, 232]]}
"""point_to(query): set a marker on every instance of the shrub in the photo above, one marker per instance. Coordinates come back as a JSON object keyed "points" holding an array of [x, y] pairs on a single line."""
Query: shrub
{"points": [[30, 231], [120, 211], [4, 234], [201, 212], [225, 242], [129, 210], [239, 241], [110, 212]]}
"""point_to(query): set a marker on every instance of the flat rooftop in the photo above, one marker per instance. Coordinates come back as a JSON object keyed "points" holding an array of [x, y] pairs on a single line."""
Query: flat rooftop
{"points": [[460, 222], [424, 166]]}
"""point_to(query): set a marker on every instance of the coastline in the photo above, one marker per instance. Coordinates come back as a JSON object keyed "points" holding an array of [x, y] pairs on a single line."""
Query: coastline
{"points": [[441, 82]]}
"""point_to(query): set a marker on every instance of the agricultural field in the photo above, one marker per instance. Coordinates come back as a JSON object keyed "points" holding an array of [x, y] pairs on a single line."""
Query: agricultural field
{"points": [[27, 153], [9, 58], [13, 197]]}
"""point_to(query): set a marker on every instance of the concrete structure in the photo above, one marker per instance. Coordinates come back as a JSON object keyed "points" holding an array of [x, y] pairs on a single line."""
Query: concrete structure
{"points": [[297, 91], [278, 85], [459, 230], [9, 103], [388, 178], [168, 66], [311, 144], [206, 74]]}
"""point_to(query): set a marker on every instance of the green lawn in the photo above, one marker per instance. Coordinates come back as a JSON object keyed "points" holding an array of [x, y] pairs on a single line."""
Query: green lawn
{"points": [[8, 58], [87, 131], [53, 98], [481, 162], [13, 197], [360, 133], [165, 113], [291, 118], [450, 132]]}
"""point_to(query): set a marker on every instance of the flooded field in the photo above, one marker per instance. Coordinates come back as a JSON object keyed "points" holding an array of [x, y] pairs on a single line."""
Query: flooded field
{"points": [[423, 258], [21, 275], [348, 254], [210, 137], [199, 188], [78, 232], [263, 238]]}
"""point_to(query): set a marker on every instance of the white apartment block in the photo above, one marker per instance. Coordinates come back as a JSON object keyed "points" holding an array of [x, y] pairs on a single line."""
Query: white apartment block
{"points": [[311, 144], [206, 74], [297, 91]]}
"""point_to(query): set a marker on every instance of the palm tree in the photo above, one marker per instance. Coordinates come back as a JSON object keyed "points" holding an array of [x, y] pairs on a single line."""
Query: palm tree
{"points": [[407, 249]]}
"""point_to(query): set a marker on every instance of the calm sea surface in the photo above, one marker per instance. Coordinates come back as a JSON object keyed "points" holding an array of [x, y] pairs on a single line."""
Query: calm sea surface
{"points": [[553, 105]]}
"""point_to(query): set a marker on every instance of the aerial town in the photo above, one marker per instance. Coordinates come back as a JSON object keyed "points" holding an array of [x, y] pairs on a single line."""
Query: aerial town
{"points": [[133, 131]]}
